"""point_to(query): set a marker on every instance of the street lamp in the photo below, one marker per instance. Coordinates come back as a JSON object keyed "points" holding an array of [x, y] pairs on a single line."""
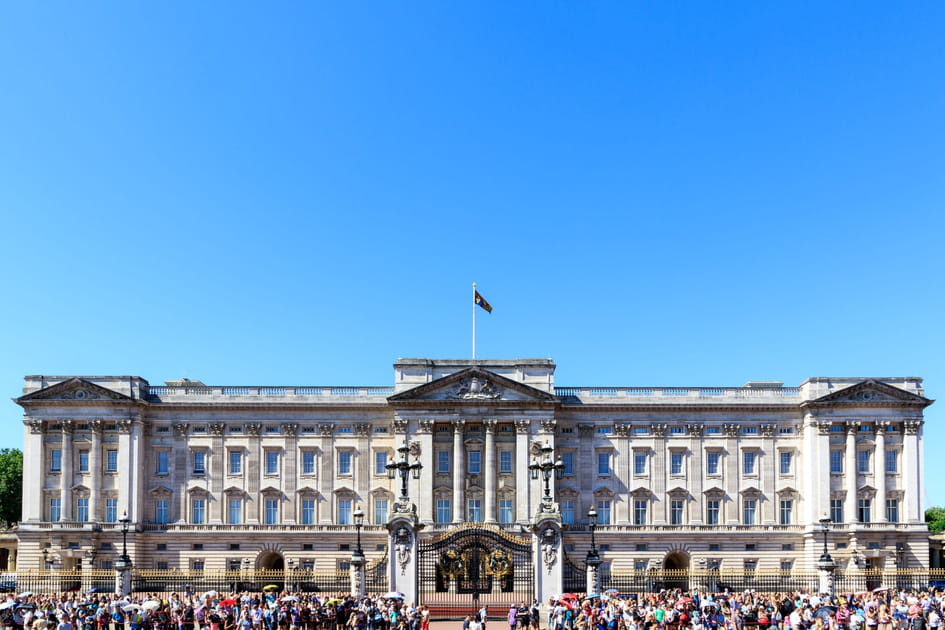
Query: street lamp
{"points": [[405, 469], [358, 523], [825, 527], [124, 561], [546, 466], [592, 555], [90, 554], [46, 558]]}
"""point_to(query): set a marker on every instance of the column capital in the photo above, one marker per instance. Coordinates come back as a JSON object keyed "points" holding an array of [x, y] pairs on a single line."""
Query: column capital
{"points": [[659, 430], [911, 427], [852, 426], [291, 429], [523, 426], [695, 430], [731, 430], [400, 424], [490, 424], [458, 424], [362, 429], [881, 425], [425, 426], [547, 425], [767, 430], [325, 429], [622, 430], [37, 427], [124, 425], [97, 425], [65, 425], [254, 429], [181, 429], [217, 428]]}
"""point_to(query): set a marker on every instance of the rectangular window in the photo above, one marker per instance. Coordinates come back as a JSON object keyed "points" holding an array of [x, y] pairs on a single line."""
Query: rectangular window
{"points": [[505, 462], [443, 463], [748, 511], [567, 512], [55, 460], [200, 462], [863, 462], [603, 512], [639, 463], [272, 511], [272, 462], [712, 463], [83, 461], [380, 462], [161, 511], [675, 512], [163, 462], [748, 463], [603, 463], [505, 510], [892, 463], [236, 463], [786, 511], [836, 462], [308, 462], [784, 462], [675, 463], [308, 511], [567, 458], [712, 512], [82, 509], [443, 512], [474, 510], [863, 508], [639, 511], [344, 511], [836, 510], [111, 510], [198, 510], [344, 462], [380, 512], [475, 463], [55, 510], [892, 510], [236, 511]]}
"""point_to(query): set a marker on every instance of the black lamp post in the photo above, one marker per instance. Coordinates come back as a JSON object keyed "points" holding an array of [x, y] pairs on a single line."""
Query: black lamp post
{"points": [[546, 466], [124, 560], [592, 555], [45, 558], [404, 468], [358, 554], [825, 527]]}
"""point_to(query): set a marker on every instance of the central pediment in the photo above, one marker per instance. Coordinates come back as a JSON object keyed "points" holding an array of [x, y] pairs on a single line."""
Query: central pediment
{"points": [[473, 385], [870, 392]]}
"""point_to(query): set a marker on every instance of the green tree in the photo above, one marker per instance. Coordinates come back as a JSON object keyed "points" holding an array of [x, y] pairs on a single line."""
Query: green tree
{"points": [[935, 517], [11, 485]]}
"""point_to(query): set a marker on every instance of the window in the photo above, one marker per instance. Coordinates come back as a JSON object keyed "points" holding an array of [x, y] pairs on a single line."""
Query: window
{"points": [[236, 463], [712, 512], [715, 547], [474, 466], [55, 509], [675, 463], [836, 510], [308, 511], [163, 462], [198, 511], [748, 462], [863, 462], [380, 462], [55, 460], [784, 462], [675, 512], [677, 430], [272, 511], [308, 462], [603, 512], [443, 462], [344, 462], [235, 511], [443, 512], [272, 462], [111, 510], [196, 565], [474, 510], [505, 462], [161, 511], [639, 463], [567, 512], [505, 510], [639, 511], [344, 511], [892, 463], [603, 463], [111, 461], [83, 461], [200, 462], [748, 511], [785, 430], [787, 565], [787, 547], [82, 509], [712, 462], [786, 511], [750, 430], [863, 507], [640, 546], [836, 462], [892, 510], [380, 512]]}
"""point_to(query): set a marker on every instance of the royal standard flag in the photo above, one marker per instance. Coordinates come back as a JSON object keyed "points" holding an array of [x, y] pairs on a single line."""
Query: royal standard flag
{"points": [[481, 301]]}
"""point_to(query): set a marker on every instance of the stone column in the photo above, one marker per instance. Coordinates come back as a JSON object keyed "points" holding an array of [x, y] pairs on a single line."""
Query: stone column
{"points": [[426, 504], [126, 471], [523, 512], [290, 473], [34, 470], [358, 561], [732, 475], [216, 469], [849, 472], [489, 477], [767, 482], [592, 583], [661, 474], [326, 458], [825, 573], [879, 472], [623, 474], [95, 465], [65, 474], [696, 460], [459, 475], [910, 470], [181, 469], [402, 564], [254, 468], [549, 557]]}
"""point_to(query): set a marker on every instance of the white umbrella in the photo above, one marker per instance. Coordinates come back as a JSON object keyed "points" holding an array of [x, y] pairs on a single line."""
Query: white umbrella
{"points": [[131, 607], [151, 604], [26, 594], [290, 598], [209, 594], [394, 595], [7, 604]]}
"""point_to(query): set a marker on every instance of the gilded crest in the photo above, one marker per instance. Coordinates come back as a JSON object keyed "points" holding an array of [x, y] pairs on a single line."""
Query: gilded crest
{"points": [[498, 564], [451, 564]]}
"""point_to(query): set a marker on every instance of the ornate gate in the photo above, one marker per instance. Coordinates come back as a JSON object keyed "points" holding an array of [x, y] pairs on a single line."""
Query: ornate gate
{"points": [[475, 565]]}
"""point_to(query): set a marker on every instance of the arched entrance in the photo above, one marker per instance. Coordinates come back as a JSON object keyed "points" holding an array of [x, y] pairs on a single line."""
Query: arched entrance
{"points": [[676, 570], [270, 561]]}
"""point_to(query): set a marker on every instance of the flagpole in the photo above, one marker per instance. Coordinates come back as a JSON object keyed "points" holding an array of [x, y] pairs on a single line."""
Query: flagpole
{"points": [[474, 321]]}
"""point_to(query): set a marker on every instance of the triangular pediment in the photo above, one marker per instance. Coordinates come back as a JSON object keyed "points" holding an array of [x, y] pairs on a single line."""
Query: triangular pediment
{"points": [[871, 392], [473, 385], [75, 390]]}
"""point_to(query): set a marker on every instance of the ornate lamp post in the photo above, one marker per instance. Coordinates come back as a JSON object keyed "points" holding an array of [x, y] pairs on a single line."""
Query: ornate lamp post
{"points": [[593, 557], [123, 564], [357, 558], [358, 524], [546, 466], [405, 469], [825, 565]]}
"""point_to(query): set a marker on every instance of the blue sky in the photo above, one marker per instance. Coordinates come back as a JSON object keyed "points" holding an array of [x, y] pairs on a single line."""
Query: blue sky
{"points": [[299, 193]]}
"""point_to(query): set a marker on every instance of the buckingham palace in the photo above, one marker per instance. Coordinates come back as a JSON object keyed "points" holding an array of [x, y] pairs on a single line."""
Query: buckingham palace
{"points": [[220, 477]]}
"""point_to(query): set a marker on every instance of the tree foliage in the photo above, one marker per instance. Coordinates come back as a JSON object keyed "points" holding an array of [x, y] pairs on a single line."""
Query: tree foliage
{"points": [[11, 485], [935, 517]]}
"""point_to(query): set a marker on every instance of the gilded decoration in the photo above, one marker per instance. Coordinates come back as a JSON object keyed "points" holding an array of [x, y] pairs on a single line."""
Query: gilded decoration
{"points": [[452, 564], [499, 564]]}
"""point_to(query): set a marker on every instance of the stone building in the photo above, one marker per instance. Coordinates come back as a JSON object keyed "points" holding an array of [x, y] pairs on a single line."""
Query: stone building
{"points": [[216, 477]]}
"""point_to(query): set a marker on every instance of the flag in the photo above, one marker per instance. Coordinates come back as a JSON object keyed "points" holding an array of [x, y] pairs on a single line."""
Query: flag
{"points": [[481, 301]]}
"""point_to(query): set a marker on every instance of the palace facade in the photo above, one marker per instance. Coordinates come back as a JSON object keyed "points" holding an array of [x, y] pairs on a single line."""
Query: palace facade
{"points": [[221, 477]]}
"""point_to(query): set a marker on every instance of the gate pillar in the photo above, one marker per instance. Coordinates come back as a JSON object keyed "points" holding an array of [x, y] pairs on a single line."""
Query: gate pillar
{"points": [[549, 559], [402, 542]]}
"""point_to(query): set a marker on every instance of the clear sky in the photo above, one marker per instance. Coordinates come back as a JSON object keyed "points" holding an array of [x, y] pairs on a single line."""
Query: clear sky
{"points": [[665, 193]]}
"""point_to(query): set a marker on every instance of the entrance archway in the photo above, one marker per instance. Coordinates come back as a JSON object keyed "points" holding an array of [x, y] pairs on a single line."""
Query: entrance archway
{"points": [[270, 561], [676, 570]]}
